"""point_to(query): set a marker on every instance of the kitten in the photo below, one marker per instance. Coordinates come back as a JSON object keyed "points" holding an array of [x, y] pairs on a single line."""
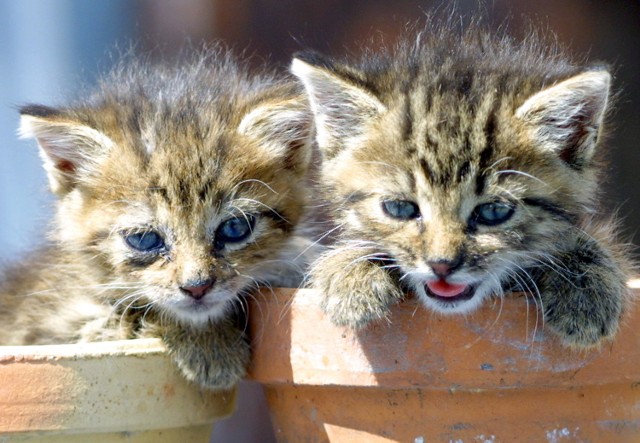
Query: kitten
{"points": [[459, 166], [179, 188]]}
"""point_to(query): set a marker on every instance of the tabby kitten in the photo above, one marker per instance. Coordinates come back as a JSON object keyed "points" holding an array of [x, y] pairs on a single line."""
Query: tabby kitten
{"points": [[179, 189], [460, 166]]}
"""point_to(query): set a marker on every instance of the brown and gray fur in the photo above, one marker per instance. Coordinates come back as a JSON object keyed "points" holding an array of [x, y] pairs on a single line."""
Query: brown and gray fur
{"points": [[176, 150], [449, 121]]}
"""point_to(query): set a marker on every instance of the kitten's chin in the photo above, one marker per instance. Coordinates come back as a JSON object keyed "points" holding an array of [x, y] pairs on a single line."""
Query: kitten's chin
{"points": [[192, 312]]}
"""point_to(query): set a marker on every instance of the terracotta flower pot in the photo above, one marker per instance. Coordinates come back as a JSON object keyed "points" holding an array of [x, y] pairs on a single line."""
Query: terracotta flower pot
{"points": [[493, 376], [121, 391]]}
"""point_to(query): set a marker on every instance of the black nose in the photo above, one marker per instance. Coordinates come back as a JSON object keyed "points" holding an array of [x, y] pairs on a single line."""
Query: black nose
{"points": [[197, 289]]}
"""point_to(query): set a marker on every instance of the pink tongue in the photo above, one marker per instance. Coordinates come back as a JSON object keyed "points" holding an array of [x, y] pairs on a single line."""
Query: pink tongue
{"points": [[443, 289]]}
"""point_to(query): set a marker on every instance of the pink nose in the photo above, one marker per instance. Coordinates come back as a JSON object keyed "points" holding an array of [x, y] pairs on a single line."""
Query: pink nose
{"points": [[445, 267], [441, 269], [198, 289]]}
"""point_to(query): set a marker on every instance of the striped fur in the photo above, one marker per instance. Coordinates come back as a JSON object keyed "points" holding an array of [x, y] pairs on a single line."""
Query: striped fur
{"points": [[176, 151], [451, 123]]}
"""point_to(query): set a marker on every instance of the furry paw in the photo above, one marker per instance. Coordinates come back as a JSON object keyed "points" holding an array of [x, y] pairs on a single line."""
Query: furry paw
{"points": [[355, 290], [583, 301], [214, 358], [586, 318]]}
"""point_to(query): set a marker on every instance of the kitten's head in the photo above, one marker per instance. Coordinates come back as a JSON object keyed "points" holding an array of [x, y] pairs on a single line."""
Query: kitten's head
{"points": [[178, 186], [461, 161]]}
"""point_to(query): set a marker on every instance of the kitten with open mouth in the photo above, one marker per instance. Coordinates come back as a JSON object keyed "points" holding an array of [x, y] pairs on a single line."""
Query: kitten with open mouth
{"points": [[460, 165]]}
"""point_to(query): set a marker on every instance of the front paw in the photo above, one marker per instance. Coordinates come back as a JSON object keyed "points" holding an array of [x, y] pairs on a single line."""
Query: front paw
{"points": [[586, 318], [214, 358], [584, 298], [355, 291]]}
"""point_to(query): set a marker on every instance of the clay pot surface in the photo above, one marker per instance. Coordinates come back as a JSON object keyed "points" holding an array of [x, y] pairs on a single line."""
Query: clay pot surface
{"points": [[124, 391], [492, 376]]}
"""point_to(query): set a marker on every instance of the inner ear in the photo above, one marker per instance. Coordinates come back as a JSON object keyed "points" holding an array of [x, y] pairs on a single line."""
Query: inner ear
{"points": [[341, 109], [67, 147], [566, 118], [66, 166], [283, 129]]}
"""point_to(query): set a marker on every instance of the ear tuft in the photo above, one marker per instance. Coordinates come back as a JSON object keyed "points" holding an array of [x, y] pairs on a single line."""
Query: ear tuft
{"points": [[341, 108], [66, 147], [39, 111], [313, 58], [567, 117]]}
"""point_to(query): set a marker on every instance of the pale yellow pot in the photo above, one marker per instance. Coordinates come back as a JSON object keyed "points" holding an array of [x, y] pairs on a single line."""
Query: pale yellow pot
{"points": [[121, 391]]}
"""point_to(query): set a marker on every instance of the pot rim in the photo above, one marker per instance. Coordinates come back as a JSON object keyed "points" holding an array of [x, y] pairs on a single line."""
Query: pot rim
{"points": [[502, 346]]}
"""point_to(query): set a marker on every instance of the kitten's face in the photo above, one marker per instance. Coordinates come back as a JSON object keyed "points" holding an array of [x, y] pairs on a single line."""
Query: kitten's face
{"points": [[469, 220], [182, 213], [194, 228], [456, 198]]}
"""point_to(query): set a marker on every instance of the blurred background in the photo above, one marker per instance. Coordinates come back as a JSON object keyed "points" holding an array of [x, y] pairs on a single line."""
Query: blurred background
{"points": [[50, 49]]}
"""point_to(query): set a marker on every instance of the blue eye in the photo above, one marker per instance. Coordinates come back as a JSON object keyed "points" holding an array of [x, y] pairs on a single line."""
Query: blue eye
{"points": [[491, 214], [235, 229], [401, 209], [146, 241]]}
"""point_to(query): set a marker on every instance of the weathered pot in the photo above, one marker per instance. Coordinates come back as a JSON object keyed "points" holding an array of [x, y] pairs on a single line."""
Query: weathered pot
{"points": [[121, 391], [493, 376]]}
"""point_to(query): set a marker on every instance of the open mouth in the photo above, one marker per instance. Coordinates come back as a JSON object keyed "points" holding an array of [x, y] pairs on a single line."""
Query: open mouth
{"points": [[449, 292]]}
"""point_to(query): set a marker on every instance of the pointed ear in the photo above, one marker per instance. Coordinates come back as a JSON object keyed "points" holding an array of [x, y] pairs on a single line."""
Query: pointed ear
{"points": [[341, 108], [284, 129], [68, 148], [566, 118]]}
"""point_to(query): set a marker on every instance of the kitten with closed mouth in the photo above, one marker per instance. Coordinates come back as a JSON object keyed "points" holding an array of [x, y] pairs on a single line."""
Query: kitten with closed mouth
{"points": [[180, 189]]}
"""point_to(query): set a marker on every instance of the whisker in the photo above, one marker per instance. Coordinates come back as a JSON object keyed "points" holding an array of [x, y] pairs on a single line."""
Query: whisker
{"points": [[322, 237], [253, 180], [524, 174]]}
